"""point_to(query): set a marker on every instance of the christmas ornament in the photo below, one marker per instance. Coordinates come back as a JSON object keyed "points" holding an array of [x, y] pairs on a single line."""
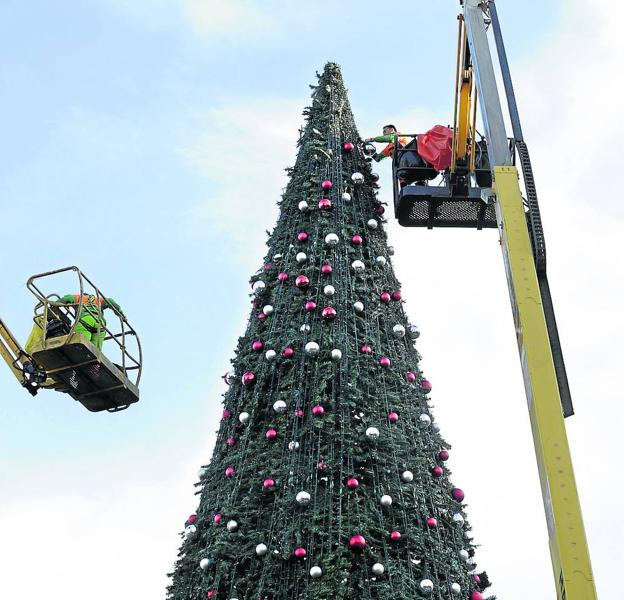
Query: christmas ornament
{"points": [[225, 414], [395, 536], [411, 377], [455, 588], [257, 346], [443, 455], [357, 542], [287, 352], [381, 261], [217, 518], [374, 176], [398, 330], [377, 569], [312, 348], [476, 596], [261, 316], [380, 210], [463, 555], [357, 178], [329, 290], [407, 476], [211, 593], [384, 297], [425, 420], [476, 579], [359, 307], [305, 328], [328, 313], [268, 484], [293, 445], [326, 269], [267, 310], [425, 386], [385, 500], [436, 427], [325, 204], [302, 498], [331, 239], [348, 146], [321, 465], [303, 206], [346, 197], [432, 522], [232, 525], [270, 434], [190, 530], [457, 494], [302, 236], [302, 282], [391, 250], [327, 184], [279, 406], [229, 471], [230, 441], [192, 519], [261, 549], [414, 332], [358, 266], [396, 295], [353, 483], [372, 433], [282, 277], [393, 417], [468, 535], [229, 377], [372, 224], [310, 305], [336, 355], [357, 239], [426, 585], [258, 287], [204, 563], [299, 412], [458, 518], [384, 361], [301, 257], [369, 149], [318, 410], [437, 471], [300, 553], [201, 473], [248, 379], [366, 349], [316, 572]]}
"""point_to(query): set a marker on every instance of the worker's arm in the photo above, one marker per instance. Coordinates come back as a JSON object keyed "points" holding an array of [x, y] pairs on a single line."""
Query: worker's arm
{"points": [[66, 299], [110, 303], [381, 139]]}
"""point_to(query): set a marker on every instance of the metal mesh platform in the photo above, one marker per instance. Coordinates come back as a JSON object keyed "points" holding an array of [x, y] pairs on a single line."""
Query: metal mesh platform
{"points": [[430, 206], [86, 374]]}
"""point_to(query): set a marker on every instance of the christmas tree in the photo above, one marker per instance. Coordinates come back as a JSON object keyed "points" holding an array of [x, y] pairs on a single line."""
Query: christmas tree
{"points": [[329, 476]]}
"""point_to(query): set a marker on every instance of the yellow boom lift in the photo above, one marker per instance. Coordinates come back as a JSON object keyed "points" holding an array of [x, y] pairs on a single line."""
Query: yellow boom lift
{"points": [[481, 189], [58, 358]]}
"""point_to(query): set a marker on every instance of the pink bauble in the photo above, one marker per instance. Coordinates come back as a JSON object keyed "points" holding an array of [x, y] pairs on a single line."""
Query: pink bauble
{"points": [[191, 519], [411, 377], [282, 276], [326, 269], [425, 385], [357, 542], [458, 494], [217, 518], [248, 379], [270, 434], [299, 412], [432, 522], [300, 552], [393, 417], [437, 471], [302, 282], [384, 361], [348, 146], [267, 266], [476, 596], [476, 579], [384, 297], [327, 184], [230, 442], [395, 536], [225, 414], [211, 593], [257, 346], [396, 295], [268, 483], [229, 472], [380, 210], [318, 410], [353, 483], [310, 305], [356, 239], [443, 455], [366, 349], [325, 204], [302, 236], [321, 465], [261, 316], [329, 313], [287, 352]]}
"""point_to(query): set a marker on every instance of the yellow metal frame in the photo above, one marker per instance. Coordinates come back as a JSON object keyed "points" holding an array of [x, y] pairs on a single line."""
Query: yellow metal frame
{"points": [[11, 351], [568, 544]]}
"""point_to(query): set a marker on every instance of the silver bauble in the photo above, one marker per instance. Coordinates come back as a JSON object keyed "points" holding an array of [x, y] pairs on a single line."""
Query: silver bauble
{"points": [[426, 585], [190, 530], [303, 206], [458, 518], [277, 257], [331, 239], [358, 266], [329, 290], [305, 328], [381, 261], [312, 348], [425, 420], [201, 472], [369, 149], [377, 569], [229, 377], [204, 563], [316, 572], [407, 476], [267, 310], [258, 286], [468, 535], [357, 178], [436, 427], [244, 418], [372, 224], [336, 354], [293, 445], [455, 588], [398, 330], [386, 500], [232, 525], [303, 498], [279, 406], [391, 250], [301, 257], [346, 197], [372, 433], [359, 307], [261, 549], [270, 355], [463, 555], [414, 332]]}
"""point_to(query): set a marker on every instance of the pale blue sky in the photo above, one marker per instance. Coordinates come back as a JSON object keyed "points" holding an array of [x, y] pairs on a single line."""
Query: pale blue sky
{"points": [[144, 141]]}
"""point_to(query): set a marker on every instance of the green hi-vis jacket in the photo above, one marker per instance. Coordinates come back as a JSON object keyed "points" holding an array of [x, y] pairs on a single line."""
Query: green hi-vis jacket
{"points": [[391, 140], [91, 305]]}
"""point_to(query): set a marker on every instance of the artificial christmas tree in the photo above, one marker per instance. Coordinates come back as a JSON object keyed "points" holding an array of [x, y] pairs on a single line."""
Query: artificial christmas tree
{"points": [[328, 478]]}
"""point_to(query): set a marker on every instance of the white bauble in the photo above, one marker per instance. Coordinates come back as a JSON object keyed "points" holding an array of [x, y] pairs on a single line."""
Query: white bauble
{"points": [[267, 310], [407, 476], [190, 530], [372, 433], [279, 406], [414, 332], [316, 572], [391, 250], [359, 307], [303, 498], [261, 549], [232, 525], [358, 266], [377, 569], [244, 418], [312, 348], [301, 257], [372, 224], [357, 178], [468, 535], [303, 206], [458, 518], [293, 445], [258, 287], [329, 290], [426, 585], [277, 257], [398, 330], [229, 377], [346, 197], [336, 355], [381, 261], [331, 239], [201, 472], [425, 420], [463, 555], [204, 563], [305, 328], [435, 427], [455, 588], [270, 355], [386, 500]]}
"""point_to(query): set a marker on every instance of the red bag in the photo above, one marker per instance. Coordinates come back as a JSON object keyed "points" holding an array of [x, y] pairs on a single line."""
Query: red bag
{"points": [[435, 147]]}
